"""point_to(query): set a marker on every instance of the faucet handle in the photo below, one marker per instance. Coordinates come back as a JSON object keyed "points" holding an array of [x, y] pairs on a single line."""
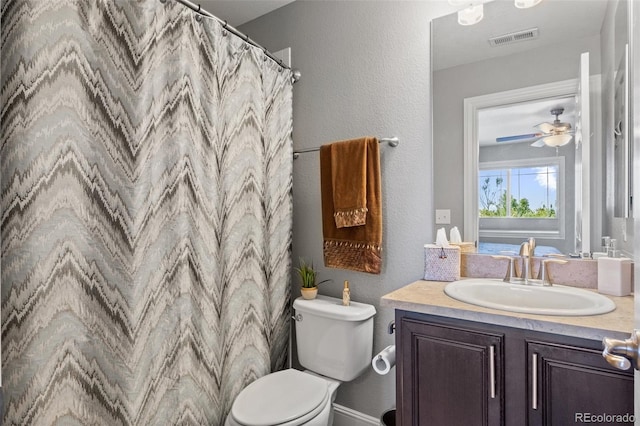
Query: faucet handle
{"points": [[532, 246], [543, 272], [510, 267]]}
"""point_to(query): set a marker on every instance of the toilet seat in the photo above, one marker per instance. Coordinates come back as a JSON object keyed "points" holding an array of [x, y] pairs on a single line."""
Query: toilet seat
{"points": [[287, 398]]}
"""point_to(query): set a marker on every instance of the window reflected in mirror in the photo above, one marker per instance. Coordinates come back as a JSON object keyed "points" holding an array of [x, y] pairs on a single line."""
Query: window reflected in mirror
{"points": [[517, 192], [521, 197]]}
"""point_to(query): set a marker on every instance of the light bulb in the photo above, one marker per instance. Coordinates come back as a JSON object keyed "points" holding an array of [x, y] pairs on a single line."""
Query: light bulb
{"points": [[557, 140], [471, 15], [525, 4]]}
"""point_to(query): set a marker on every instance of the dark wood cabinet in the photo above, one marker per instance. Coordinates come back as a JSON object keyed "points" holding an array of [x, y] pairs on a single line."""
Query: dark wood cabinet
{"points": [[456, 376], [453, 372], [574, 385]]}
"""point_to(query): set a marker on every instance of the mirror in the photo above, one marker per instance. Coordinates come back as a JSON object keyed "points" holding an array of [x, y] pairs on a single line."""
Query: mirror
{"points": [[621, 147], [507, 74], [622, 156]]}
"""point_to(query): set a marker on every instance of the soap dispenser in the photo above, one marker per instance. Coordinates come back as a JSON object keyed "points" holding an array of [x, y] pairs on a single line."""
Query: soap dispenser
{"points": [[346, 294], [615, 273]]}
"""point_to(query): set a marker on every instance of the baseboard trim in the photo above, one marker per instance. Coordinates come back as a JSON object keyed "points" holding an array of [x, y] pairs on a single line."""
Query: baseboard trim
{"points": [[344, 416]]}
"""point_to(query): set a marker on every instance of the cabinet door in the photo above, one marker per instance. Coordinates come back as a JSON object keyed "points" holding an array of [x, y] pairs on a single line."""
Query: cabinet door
{"points": [[573, 385], [449, 376]]}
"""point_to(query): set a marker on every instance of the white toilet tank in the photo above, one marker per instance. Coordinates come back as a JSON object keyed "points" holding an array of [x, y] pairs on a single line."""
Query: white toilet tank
{"points": [[334, 340]]}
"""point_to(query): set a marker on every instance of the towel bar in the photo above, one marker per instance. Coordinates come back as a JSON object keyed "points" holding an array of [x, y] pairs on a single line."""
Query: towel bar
{"points": [[393, 142]]}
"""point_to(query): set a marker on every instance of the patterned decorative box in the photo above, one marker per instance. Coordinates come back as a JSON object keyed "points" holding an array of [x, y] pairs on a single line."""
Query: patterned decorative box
{"points": [[441, 263]]}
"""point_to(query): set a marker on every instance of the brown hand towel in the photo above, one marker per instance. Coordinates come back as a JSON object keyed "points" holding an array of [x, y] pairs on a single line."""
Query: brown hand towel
{"points": [[355, 247], [349, 182]]}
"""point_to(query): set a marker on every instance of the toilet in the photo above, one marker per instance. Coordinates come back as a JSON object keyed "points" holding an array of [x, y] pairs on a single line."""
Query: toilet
{"points": [[334, 344]]}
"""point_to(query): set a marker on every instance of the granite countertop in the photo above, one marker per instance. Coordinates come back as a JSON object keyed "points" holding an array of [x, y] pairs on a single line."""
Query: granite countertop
{"points": [[428, 297]]}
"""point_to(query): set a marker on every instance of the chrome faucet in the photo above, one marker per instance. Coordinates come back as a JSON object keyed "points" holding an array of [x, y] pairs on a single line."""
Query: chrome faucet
{"points": [[525, 261], [522, 272], [527, 253], [532, 249]]}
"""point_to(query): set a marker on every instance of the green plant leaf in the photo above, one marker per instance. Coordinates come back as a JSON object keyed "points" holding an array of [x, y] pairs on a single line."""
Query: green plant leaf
{"points": [[307, 274]]}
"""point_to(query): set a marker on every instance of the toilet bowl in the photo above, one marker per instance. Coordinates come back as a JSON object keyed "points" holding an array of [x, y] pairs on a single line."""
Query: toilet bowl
{"points": [[334, 344], [285, 398]]}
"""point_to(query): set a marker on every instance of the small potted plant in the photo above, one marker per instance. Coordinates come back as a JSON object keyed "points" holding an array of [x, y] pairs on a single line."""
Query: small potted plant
{"points": [[308, 276]]}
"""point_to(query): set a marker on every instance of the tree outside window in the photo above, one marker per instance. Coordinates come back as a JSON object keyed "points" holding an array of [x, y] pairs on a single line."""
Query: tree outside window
{"points": [[519, 192]]}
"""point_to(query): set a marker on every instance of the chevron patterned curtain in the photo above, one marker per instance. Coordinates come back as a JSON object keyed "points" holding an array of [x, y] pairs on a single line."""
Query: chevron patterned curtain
{"points": [[146, 174]]}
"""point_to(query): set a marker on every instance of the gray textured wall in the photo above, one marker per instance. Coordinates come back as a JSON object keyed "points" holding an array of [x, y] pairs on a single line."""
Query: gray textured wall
{"points": [[365, 71]]}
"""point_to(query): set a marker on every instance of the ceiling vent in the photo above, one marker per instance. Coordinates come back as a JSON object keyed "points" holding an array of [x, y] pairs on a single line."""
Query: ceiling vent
{"points": [[514, 37]]}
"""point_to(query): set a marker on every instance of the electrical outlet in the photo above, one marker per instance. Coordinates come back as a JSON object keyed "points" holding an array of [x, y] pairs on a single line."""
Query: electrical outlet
{"points": [[443, 216]]}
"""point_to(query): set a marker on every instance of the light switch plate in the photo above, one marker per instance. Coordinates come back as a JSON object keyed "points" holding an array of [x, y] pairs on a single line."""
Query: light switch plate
{"points": [[443, 216]]}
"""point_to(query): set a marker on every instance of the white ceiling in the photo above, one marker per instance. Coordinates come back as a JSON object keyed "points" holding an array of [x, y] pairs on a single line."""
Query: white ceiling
{"points": [[238, 12], [519, 119], [454, 44]]}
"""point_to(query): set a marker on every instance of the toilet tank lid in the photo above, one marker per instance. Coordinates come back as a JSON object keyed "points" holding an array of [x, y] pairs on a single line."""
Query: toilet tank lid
{"points": [[331, 307]]}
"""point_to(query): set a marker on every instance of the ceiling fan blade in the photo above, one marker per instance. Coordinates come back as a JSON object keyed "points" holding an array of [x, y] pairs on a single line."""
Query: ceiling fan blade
{"points": [[545, 127], [518, 137], [539, 143]]}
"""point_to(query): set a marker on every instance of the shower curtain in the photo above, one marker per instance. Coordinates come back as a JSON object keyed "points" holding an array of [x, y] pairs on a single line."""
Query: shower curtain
{"points": [[146, 166]]}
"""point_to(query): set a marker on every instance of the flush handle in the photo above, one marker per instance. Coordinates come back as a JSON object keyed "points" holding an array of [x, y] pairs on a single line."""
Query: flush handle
{"points": [[622, 354]]}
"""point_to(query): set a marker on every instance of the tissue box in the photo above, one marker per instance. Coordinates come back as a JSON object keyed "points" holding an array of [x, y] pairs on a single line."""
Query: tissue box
{"points": [[441, 263]]}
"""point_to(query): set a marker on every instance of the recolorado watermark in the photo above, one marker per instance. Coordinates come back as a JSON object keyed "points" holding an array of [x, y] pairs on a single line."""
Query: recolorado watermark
{"points": [[604, 418]]}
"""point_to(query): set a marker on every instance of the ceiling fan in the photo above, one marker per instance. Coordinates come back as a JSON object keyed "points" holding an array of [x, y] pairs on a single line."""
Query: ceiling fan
{"points": [[550, 134]]}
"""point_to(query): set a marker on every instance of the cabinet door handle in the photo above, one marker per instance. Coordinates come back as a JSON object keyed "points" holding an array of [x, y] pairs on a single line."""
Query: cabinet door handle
{"points": [[492, 371], [534, 381]]}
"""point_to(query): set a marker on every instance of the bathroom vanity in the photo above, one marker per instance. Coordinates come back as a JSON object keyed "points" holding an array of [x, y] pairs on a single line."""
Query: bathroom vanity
{"points": [[462, 364]]}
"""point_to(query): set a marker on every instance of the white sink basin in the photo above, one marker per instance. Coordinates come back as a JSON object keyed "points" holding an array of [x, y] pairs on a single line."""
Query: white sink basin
{"points": [[529, 299]]}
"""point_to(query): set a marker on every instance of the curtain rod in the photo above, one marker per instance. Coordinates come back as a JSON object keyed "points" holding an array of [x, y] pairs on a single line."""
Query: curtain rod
{"points": [[393, 142], [295, 74]]}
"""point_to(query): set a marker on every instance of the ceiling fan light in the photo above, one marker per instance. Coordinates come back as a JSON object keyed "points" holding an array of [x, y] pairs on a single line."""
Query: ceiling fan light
{"points": [[557, 140], [471, 15], [525, 4]]}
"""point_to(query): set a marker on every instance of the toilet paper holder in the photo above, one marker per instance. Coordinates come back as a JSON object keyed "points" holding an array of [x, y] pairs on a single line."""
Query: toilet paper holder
{"points": [[384, 361], [391, 328]]}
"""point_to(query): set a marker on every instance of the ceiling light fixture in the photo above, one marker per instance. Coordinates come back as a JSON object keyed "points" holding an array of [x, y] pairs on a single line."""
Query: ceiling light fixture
{"points": [[557, 140], [525, 4], [473, 11], [471, 15]]}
